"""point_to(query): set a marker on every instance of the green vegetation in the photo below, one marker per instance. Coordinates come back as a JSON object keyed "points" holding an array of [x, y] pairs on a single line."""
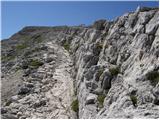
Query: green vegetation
{"points": [[22, 46], [141, 65], [105, 34], [27, 53], [36, 49], [100, 99], [38, 39], [134, 100], [26, 37], [99, 46], [75, 105], [8, 102], [32, 39], [153, 76], [35, 63], [7, 58], [17, 68], [66, 46], [114, 71], [100, 71]]}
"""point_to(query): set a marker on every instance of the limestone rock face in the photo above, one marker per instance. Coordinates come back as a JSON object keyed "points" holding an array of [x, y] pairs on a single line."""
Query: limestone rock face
{"points": [[110, 67]]}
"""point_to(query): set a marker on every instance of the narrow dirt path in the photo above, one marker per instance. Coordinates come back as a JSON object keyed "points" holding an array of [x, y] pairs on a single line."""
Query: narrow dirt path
{"points": [[61, 93]]}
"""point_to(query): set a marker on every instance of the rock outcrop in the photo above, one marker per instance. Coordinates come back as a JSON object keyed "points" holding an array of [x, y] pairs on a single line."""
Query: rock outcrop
{"points": [[109, 70]]}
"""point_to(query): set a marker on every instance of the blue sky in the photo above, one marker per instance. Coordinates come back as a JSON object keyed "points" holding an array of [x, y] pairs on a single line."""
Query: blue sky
{"points": [[16, 15]]}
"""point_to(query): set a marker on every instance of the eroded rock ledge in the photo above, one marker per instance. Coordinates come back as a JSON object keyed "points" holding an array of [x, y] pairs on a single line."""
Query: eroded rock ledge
{"points": [[107, 70]]}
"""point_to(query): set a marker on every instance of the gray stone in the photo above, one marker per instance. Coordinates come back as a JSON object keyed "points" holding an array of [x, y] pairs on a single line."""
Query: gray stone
{"points": [[14, 111], [91, 99], [3, 110], [49, 59], [153, 25], [26, 72], [23, 90], [39, 103], [98, 91], [14, 98], [88, 84], [29, 85], [94, 86], [9, 116], [37, 75]]}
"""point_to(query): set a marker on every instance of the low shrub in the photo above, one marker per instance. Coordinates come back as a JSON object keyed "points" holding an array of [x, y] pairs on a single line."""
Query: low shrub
{"points": [[8, 102], [114, 71], [134, 100], [100, 71], [22, 46], [66, 46], [17, 68], [26, 38], [153, 76], [75, 105], [100, 99], [38, 39], [7, 58], [35, 63]]}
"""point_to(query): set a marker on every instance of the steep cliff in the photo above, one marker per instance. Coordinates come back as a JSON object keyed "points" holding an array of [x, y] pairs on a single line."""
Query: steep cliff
{"points": [[107, 70]]}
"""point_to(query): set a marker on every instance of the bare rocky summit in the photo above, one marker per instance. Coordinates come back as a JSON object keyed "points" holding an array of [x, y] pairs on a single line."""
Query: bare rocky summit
{"points": [[107, 70]]}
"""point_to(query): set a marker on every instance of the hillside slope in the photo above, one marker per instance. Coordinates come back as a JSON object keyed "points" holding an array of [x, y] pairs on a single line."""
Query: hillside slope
{"points": [[107, 70]]}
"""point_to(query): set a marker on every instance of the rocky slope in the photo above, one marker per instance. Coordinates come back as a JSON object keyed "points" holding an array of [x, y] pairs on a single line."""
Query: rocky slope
{"points": [[107, 70]]}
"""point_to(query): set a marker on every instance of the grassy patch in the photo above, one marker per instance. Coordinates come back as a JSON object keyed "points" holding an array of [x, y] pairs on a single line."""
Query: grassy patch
{"points": [[21, 47], [75, 105], [32, 39], [35, 63], [38, 39], [100, 99], [153, 76], [66, 46], [27, 53], [114, 71], [134, 100], [26, 38], [7, 58]]}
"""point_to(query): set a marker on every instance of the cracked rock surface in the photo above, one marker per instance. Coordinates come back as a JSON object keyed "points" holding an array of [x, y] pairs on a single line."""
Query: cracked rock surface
{"points": [[111, 68]]}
